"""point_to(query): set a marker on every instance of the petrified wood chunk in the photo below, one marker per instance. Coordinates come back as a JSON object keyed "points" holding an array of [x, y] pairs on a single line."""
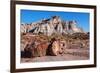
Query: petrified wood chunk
{"points": [[57, 46], [40, 49], [36, 49], [54, 47], [28, 50]]}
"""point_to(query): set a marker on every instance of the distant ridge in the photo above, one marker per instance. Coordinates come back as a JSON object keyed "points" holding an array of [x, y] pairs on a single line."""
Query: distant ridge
{"points": [[52, 25]]}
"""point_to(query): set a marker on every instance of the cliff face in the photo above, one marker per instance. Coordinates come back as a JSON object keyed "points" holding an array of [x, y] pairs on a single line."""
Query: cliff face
{"points": [[53, 25]]}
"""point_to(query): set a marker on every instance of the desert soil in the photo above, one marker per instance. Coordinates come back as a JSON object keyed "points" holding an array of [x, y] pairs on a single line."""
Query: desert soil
{"points": [[68, 55]]}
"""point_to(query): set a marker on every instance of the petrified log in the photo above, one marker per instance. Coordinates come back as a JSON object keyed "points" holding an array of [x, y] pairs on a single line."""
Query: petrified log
{"points": [[63, 45], [57, 47], [40, 49], [36, 49], [28, 50], [54, 47]]}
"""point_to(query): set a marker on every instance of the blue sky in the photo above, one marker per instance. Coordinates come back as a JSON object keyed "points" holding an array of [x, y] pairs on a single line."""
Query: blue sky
{"points": [[29, 16]]}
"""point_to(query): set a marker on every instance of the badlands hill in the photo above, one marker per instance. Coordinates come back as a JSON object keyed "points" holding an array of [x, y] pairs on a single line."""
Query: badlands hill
{"points": [[52, 25]]}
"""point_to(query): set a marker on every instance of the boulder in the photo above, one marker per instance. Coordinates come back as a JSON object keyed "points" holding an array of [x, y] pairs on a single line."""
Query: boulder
{"points": [[36, 49]]}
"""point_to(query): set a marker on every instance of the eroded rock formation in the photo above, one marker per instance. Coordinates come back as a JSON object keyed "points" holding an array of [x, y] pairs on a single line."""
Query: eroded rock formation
{"points": [[53, 25]]}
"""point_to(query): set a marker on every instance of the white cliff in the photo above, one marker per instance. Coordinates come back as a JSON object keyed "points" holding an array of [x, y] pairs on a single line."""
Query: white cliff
{"points": [[53, 25]]}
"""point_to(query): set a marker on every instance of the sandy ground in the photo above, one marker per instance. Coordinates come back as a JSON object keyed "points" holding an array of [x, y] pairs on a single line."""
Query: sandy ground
{"points": [[68, 55]]}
